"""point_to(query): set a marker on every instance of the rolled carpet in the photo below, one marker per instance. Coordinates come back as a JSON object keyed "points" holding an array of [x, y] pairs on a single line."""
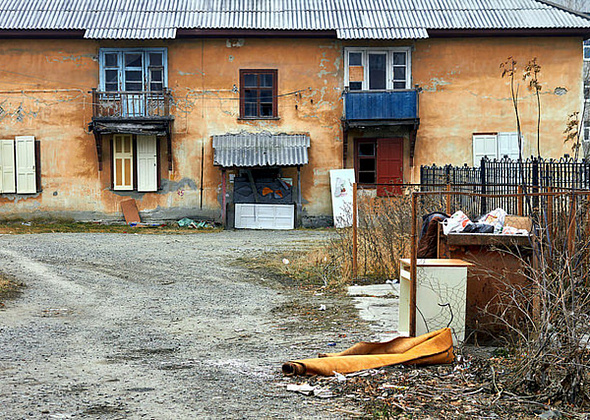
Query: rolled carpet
{"points": [[428, 349]]}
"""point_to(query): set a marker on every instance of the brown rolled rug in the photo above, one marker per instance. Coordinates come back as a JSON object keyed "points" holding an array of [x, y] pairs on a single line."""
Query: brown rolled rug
{"points": [[428, 349]]}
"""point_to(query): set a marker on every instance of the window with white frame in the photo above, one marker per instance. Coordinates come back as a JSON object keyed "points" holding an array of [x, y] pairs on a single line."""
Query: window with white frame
{"points": [[18, 165], [495, 146], [377, 68], [133, 69]]}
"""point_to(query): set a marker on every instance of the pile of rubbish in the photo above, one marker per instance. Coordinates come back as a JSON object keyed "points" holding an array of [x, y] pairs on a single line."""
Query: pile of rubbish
{"points": [[190, 223], [496, 222]]}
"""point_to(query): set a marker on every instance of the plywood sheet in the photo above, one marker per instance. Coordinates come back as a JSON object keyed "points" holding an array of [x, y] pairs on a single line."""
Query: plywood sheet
{"points": [[130, 212], [356, 73]]}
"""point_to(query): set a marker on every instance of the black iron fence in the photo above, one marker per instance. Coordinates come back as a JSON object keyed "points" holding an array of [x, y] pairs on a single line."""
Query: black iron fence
{"points": [[505, 177]]}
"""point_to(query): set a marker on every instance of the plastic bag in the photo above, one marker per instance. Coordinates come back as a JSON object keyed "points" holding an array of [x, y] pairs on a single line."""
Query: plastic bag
{"points": [[455, 223], [495, 218], [509, 230]]}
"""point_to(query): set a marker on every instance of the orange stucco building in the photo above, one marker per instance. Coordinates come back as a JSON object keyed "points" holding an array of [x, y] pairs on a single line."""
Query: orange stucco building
{"points": [[179, 123]]}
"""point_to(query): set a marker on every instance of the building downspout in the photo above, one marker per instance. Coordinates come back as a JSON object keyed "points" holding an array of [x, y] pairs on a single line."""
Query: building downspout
{"points": [[223, 199]]}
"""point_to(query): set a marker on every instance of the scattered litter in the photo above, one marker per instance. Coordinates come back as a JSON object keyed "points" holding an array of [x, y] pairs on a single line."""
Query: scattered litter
{"points": [[285, 261], [190, 223], [306, 389], [26, 223], [340, 377], [550, 414], [322, 308], [331, 344]]}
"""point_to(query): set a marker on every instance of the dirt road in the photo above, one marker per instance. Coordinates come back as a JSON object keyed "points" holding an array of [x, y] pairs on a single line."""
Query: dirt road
{"points": [[151, 326]]}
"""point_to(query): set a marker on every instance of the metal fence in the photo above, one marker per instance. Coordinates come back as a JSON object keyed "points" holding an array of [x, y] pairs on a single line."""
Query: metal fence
{"points": [[504, 177]]}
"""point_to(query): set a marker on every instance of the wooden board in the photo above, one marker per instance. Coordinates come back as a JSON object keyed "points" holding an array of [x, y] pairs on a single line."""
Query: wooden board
{"points": [[130, 211]]}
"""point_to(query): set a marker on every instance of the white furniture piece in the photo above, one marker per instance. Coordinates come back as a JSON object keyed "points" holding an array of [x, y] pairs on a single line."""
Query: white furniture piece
{"points": [[441, 294], [264, 216]]}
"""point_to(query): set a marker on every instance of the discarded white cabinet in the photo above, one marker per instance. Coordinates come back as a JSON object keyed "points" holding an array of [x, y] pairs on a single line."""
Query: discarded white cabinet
{"points": [[265, 216], [441, 294]]}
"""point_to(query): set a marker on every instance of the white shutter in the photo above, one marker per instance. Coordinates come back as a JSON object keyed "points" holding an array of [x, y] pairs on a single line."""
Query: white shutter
{"points": [[123, 162], [508, 145], [25, 165], [484, 145], [7, 173], [147, 168]]}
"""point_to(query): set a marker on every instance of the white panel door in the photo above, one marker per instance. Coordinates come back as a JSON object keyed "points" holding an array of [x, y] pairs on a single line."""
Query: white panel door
{"points": [[508, 145], [484, 145], [25, 165], [7, 172], [264, 216], [147, 167]]}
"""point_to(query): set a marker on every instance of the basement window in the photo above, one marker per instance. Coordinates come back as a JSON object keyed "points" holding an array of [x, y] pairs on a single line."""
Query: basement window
{"points": [[258, 94], [377, 68]]}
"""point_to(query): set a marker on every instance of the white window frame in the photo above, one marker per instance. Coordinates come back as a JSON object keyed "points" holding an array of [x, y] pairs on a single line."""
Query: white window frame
{"points": [[498, 154], [121, 68], [365, 54]]}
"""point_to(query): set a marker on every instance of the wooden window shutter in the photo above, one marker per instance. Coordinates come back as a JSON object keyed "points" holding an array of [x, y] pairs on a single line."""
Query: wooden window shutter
{"points": [[508, 145], [147, 167], [26, 175], [122, 162], [7, 172], [484, 145]]}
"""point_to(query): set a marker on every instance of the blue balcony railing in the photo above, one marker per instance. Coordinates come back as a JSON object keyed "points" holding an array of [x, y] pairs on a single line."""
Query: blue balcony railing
{"points": [[383, 105]]}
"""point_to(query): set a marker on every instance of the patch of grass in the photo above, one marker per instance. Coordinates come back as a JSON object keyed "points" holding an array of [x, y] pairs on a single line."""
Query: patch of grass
{"points": [[21, 226], [9, 288]]}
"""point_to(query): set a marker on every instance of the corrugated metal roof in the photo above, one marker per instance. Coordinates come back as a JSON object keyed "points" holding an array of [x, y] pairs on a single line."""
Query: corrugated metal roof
{"points": [[260, 149], [351, 19]]}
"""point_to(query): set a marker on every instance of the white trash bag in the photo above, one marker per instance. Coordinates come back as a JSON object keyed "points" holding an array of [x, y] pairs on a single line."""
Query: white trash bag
{"points": [[495, 218], [456, 223]]}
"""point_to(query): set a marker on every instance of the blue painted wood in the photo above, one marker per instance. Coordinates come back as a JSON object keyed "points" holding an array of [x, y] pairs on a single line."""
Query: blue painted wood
{"points": [[391, 105]]}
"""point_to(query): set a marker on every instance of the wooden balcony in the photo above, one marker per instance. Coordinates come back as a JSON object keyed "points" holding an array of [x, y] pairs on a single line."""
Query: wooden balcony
{"points": [[131, 105]]}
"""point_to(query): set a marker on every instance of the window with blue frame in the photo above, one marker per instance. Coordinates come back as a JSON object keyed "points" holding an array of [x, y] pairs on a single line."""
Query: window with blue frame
{"points": [[133, 70]]}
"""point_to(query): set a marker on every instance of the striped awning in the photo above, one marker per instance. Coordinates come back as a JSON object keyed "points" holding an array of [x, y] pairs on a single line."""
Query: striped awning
{"points": [[260, 149]]}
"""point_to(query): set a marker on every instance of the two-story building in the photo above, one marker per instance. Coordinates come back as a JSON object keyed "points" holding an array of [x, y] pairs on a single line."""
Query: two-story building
{"points": [[238, 110]]}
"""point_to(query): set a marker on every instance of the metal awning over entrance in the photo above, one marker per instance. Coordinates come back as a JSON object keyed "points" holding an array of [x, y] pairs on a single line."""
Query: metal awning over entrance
{"points": [[260, 149]]}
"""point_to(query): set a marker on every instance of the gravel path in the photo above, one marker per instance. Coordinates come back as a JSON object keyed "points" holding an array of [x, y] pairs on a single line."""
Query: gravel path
{"points": [[148, 326]]}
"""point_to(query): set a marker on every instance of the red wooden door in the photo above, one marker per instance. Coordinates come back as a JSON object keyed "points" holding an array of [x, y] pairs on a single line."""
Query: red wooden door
{"points": [[390, 165]]}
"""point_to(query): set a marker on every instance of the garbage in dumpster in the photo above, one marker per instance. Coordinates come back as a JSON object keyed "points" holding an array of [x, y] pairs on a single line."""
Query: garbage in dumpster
{"points": [[494, 218], [456, 223], [428, 349]]}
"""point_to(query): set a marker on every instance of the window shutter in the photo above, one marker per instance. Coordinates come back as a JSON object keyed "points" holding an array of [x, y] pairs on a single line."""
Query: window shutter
{"points": [[123, 162], [147, 168], [508, 145], [25, 165], [7, 173], [484, 145]]}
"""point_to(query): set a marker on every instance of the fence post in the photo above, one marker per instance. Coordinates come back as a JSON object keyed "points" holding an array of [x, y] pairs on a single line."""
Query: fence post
{"points": [[354, 233], [520, 199], [413, 268], [535, 186], [571, 233], [448, 199], [484, 190], [550, 210]]}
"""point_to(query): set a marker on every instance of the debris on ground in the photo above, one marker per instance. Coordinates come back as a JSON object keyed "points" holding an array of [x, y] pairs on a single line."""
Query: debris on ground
{"points": [[470, 388], [190, 223]]}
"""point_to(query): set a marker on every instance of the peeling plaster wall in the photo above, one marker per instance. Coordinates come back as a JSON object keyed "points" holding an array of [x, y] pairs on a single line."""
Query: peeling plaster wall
{"points": [[55, 107], [45, 84], [463, 93]]}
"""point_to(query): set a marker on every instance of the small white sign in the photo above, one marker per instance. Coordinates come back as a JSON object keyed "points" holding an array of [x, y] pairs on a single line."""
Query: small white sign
{"points": [[341, 181]]}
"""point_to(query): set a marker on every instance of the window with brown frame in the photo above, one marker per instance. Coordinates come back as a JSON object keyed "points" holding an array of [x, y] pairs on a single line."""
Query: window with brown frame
{"points": [[258, 94]]}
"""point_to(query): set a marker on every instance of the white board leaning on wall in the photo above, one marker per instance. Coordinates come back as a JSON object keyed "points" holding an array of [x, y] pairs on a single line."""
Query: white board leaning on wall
{"points": [[341, 181]]}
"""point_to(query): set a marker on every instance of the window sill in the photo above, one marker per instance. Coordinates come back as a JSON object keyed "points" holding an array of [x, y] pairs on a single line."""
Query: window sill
{"points": [[258, 118]]}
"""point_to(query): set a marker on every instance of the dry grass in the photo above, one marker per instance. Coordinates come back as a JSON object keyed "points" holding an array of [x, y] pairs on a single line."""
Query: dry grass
{"points": [[15, 227], [9, 288]]}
